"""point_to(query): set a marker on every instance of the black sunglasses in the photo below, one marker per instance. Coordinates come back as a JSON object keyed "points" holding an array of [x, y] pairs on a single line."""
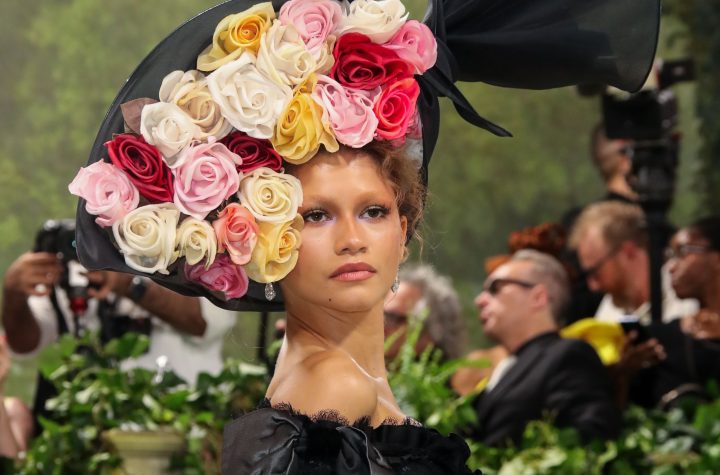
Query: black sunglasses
{"points": [[589, 271], [496, 285]]}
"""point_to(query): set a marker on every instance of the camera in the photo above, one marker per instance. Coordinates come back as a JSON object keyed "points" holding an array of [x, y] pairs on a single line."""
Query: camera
{"points": [[57, 237]]}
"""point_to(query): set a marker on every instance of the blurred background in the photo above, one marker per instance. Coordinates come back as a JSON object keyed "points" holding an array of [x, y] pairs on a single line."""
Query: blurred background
{"points": [[62, 62]]}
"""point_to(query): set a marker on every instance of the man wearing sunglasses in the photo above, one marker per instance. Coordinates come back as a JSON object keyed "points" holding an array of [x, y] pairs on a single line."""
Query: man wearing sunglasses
{"points": [[611, 242], [545, 376]]}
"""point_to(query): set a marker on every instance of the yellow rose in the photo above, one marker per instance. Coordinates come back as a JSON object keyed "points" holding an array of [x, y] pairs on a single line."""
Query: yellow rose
{"points": [[300, 129], [236, 33], [196, 241], [276, 251]]}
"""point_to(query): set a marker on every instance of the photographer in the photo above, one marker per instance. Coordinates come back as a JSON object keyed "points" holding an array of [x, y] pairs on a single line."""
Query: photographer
{"points": [[48, 294]]}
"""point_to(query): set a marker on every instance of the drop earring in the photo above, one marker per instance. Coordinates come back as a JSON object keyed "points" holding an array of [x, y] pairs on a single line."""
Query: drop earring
{"points": [[396, 284], [269, 291]]}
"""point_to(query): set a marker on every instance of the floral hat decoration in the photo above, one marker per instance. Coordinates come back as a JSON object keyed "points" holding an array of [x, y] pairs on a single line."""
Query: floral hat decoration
{"points": [[185, 183]]}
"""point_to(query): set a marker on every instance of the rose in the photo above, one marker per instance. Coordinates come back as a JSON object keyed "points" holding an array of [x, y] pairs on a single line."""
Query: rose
{"points": [[349, 113], [248, 100], [276, 251], [301, 129], [254, 153], [206, 177], [144, 165], [314, 20], [378, 19], [236, 232], [221, 276], [195, 240], [167, 127], [146, 237], [325, 59], [361, 64], [395, 108], [189, 91], [415, 43], [108, 193], [270, 196], [283, 56], [236, 34]]}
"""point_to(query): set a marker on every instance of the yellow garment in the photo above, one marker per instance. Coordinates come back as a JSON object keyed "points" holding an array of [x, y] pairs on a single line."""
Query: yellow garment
{"points": [[607, 338]]}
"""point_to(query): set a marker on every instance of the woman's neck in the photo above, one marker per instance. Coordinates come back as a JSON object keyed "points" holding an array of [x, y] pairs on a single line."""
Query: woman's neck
{"points": [[359, 335]]}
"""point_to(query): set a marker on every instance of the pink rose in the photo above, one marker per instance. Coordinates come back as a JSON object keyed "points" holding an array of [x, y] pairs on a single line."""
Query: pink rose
{"points": [[415, 43], [108, 192], [395, 108], [349, 112], [236, 232], [205, 177], [314, 20], [222, 276]]}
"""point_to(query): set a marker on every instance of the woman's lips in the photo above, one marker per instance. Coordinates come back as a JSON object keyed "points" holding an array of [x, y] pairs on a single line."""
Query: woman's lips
{"points": [[353, 272]]}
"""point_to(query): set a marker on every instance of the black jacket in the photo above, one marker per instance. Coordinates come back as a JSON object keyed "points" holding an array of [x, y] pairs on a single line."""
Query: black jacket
{"points": [[553, 376]]}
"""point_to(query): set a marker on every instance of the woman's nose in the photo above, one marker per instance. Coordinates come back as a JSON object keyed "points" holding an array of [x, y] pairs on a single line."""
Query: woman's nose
{"points": [[350, 238]]}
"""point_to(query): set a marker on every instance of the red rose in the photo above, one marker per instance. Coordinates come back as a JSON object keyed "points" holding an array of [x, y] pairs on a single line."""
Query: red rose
{"points": [[362, 64], [395, 108], [144, 165], [255, 153]]}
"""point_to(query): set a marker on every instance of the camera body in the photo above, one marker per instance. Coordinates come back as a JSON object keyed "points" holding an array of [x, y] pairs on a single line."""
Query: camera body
{"points": [[57, 236]]}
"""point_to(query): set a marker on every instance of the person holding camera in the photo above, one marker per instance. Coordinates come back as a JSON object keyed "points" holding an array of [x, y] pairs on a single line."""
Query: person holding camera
{"points": [[47, 293]]}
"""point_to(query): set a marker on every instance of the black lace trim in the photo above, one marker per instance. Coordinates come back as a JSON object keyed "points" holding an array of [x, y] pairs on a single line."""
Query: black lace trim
{"points": [[333, 416]]}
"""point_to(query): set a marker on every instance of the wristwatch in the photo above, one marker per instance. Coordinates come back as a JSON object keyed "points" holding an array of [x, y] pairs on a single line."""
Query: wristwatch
{"points": [[138, 288]]}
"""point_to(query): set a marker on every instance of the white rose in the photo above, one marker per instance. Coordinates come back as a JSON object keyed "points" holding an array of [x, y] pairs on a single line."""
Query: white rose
{"points": [[146, 237], [167, 127], [270, 196], [249, 101], [196, 241], [377, 19], [189, 91], [283, 56]]}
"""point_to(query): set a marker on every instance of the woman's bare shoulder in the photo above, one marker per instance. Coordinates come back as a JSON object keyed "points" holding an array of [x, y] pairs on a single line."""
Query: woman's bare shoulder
{"points": [[328, 381]]}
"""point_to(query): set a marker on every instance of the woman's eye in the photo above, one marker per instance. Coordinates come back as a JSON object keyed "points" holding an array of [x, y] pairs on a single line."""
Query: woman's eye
{"points": [[375, 212], [314, 216]]}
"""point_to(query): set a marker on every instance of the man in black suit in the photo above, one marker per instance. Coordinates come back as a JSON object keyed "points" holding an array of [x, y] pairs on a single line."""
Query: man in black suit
{"points": [[545, 375]]}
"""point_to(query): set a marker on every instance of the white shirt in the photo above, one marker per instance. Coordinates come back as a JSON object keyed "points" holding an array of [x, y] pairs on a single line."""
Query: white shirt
{"points": [[187, 355]]}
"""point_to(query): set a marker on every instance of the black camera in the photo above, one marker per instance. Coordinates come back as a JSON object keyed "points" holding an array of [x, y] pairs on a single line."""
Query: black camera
{"points": [[57, 237]]}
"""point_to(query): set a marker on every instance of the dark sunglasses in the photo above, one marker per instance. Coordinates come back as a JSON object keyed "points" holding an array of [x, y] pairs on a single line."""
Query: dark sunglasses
{"points": [[496, 285], [592, 270]]}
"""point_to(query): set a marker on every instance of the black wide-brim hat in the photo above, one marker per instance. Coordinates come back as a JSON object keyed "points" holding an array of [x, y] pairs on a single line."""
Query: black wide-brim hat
{"points": [[531, 44]]}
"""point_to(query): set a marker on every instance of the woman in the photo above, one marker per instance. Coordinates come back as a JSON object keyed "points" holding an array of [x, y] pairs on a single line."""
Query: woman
{"points": [[296, 135]]}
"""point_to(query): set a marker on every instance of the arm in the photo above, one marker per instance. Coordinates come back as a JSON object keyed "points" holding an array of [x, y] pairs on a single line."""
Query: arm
{"points": [[10, 444], [33, 273], [183, 313], [579, 393]]}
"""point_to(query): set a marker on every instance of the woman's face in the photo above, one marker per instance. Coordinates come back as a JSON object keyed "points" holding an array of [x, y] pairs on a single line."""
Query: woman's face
{"points": [[353, 238]]}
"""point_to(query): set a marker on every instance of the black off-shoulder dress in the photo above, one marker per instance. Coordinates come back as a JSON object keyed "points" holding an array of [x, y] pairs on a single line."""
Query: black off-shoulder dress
{"points": [[278, 440]]}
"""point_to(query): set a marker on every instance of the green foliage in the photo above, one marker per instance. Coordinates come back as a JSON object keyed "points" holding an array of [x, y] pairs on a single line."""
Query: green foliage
{"points": [[96, 394], [421, 385]]}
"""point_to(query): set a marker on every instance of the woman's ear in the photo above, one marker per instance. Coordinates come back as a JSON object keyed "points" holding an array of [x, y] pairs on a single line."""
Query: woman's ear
{"points": [[403, 226]]}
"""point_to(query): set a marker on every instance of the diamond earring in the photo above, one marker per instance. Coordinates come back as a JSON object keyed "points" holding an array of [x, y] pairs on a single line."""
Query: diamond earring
{"points": [[269, 291], [396, 284]]}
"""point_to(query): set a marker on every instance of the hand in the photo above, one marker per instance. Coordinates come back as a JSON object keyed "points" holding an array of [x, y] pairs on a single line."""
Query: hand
{"points": [[636, 356], [704, 325], [103, 282], [33, 273]]}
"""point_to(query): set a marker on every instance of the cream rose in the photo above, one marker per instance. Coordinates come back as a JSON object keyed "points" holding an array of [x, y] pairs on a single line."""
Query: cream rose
{"points": [[146, 237], [270, 196], [189, 91], [283, 56], [377, 19], [196, 241], [248, 100], [168, 128], [276, 251], [235, 34]]}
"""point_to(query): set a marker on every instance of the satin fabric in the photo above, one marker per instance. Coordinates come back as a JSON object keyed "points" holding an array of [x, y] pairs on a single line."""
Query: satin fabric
{"points": [[272, 441], [511, 43]]}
